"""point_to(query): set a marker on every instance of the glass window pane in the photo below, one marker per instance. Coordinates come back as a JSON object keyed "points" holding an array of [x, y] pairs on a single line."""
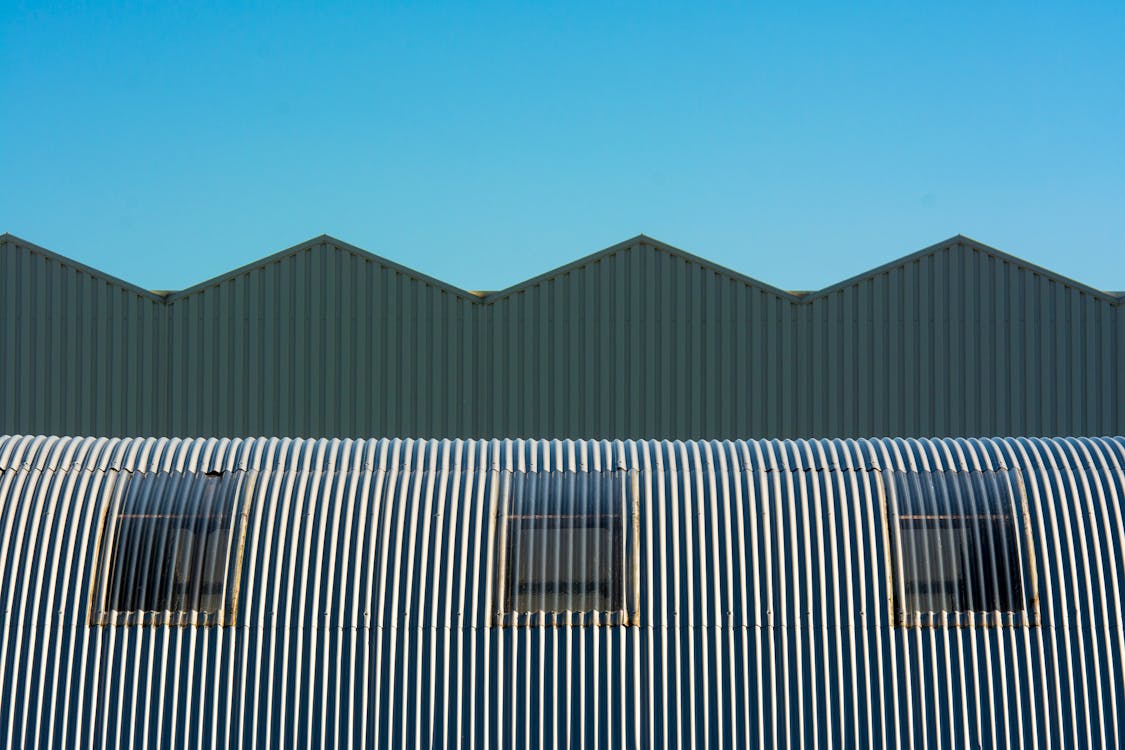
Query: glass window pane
{"points": [[169, 549], [565, 544], [957, 545]]}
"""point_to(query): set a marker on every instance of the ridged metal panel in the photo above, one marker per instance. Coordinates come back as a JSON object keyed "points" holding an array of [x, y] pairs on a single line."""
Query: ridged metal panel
{"points": [[322, 342], [764, 620], [644, 342], [78, 352], [961, 342], [640, 339]]}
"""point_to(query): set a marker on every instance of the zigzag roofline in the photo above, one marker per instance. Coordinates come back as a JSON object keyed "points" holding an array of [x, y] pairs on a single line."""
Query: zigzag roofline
{"points": [[312, 244], [640, 240], [63, 260]]}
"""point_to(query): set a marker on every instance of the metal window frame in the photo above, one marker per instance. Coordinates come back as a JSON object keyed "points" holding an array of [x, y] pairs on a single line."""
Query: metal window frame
{"points": [[1027, 617], [101, 614], [630, 563]]}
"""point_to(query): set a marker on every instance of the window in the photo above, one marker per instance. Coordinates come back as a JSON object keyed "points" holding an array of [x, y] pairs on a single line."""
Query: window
{"points": [[564, 552], [960, 550], [171, 550]]}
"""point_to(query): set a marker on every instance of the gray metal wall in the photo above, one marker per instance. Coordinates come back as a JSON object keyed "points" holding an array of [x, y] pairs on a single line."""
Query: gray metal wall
{"points": [[641, 339], [764, 615], [78, 351]]}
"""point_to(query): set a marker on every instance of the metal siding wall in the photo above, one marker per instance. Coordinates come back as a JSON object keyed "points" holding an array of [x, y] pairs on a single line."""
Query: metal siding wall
{"points": [[961, 343], [78, 354], [365, 604], [320, 343], [641, 340]]}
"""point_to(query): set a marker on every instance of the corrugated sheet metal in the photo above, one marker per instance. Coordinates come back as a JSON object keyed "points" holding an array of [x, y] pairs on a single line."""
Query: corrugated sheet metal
{"points": [[765, 614], [77, 350], [639, 340]]}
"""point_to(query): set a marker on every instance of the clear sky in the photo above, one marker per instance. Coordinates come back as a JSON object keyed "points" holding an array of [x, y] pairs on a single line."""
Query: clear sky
{"points": [[800, 143]]}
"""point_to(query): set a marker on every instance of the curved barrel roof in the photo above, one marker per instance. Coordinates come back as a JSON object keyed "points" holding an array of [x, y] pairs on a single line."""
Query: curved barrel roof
{"points": [[765, 614]]}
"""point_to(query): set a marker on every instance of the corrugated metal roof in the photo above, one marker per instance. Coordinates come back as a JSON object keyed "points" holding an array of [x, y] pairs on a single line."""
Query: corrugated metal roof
{"points": [[366, 616]]}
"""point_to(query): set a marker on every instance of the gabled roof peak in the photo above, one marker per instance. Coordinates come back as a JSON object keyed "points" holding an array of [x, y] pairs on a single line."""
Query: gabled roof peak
{"points": [[326, 242]]}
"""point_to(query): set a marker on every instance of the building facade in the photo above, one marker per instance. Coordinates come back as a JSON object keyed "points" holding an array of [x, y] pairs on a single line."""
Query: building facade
{"points": [[639, 340]]}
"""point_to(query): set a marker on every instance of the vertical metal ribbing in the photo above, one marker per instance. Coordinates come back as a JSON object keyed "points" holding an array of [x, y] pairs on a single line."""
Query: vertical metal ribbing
{"points": [[369, 579], [325, 339]]}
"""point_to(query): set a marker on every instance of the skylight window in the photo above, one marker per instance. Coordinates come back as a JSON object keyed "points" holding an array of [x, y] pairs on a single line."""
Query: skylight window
{"points": [[960, 550], [565, 550], [171, 550]]}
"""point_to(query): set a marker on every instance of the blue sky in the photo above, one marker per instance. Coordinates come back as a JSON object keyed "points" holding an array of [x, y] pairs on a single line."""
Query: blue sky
{"points": [[799, 143]]}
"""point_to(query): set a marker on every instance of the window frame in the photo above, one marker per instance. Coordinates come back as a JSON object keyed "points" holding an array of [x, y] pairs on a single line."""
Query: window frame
{"points": [[629, 494], [108, 539], [1011, 479]]}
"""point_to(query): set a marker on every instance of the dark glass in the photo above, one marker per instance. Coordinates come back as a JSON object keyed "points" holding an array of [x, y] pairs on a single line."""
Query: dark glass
{"points": [[565, 543], [957, 537], [171, 544]]}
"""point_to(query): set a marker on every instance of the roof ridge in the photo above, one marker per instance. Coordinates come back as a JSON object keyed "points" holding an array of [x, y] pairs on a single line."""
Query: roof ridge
{"points": [[640, 240], [63, 260], [312, 244]]}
